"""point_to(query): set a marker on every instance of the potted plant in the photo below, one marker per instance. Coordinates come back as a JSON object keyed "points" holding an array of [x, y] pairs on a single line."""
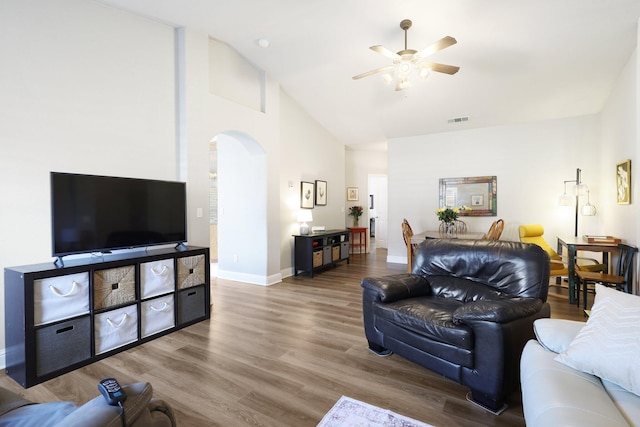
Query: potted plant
{"points": [[355, 212]]}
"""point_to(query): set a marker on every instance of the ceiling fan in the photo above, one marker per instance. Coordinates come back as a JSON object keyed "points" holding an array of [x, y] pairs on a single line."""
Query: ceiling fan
{"points": [[408, 60]]}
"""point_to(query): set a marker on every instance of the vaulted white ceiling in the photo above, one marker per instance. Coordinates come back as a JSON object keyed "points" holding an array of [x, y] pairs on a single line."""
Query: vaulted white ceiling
{"points": [[519, 61]]}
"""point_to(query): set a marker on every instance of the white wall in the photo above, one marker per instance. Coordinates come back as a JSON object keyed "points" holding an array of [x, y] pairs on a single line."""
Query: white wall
{"points": [[209, 115], [91, 89], [83, 88], [308, 153], [296, 147], [620, 142], [531, 161]]}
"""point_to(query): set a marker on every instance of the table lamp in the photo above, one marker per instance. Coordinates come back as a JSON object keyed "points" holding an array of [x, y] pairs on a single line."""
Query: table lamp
{"points": [[304, 215]]}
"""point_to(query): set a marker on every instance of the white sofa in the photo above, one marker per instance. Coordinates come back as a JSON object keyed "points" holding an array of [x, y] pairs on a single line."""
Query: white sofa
{"points": [[554, 394]]}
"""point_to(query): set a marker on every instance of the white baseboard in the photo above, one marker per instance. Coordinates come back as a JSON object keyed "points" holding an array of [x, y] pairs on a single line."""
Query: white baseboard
{"points": [[397, 259], [250, 278]]}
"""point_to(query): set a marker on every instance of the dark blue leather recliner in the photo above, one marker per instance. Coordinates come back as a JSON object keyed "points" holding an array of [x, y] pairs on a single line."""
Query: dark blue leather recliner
{"points": [[465, 311]]}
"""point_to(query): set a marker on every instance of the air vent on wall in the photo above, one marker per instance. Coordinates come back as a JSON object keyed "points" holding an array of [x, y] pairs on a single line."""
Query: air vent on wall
{"points": [[459, 119]]}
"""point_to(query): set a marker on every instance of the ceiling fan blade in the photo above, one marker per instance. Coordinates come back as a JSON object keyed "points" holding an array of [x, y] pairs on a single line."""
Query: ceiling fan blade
{"points": [[373, 72], [439, 45], [386, 52], [440, 68]]}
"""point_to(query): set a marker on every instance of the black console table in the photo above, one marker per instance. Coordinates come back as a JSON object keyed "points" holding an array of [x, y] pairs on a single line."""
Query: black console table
{"points": [[316, 251]]}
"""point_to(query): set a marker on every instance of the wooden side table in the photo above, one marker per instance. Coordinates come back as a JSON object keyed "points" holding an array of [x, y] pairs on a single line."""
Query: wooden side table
{"points": [[361, 242]]}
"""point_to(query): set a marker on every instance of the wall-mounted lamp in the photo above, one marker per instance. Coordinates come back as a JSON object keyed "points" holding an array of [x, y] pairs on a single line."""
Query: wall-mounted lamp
{"points": [[304, 216], [580, 189]]}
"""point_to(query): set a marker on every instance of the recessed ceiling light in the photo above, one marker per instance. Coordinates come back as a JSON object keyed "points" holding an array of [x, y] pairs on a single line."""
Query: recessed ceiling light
{"points": [[262, 42]]}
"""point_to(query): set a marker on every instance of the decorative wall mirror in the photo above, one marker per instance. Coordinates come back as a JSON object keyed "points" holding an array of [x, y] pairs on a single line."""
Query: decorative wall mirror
{"points": [[480, 193]]}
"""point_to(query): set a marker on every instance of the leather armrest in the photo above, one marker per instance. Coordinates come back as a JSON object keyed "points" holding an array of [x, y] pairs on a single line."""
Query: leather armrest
{"points": [[10, 401], [396, 287], [102, 414], [499, 311]]}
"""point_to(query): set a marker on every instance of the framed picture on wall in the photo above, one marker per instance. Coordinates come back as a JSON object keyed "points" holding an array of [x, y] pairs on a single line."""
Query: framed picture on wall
{"points": [[352, 194], [623, 182], [321, 193], [306, 195], [477, 200]]}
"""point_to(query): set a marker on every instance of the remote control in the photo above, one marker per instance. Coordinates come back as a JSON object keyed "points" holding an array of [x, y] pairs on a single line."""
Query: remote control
{"points": [[112, 392]]}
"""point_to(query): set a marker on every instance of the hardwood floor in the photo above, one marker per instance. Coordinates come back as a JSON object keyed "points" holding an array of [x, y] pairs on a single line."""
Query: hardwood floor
{"points": [[282, 356]]}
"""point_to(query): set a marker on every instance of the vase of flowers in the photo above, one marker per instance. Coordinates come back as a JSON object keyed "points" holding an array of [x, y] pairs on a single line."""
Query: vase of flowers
{"points": [[355, 212], [448, 215]]}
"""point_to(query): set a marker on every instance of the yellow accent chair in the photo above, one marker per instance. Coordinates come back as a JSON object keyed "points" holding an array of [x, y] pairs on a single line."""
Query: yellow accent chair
{"points": [[534, 233]]}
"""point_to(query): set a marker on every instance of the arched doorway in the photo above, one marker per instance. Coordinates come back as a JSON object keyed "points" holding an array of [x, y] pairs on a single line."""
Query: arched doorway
{"points": [[238, 183]]}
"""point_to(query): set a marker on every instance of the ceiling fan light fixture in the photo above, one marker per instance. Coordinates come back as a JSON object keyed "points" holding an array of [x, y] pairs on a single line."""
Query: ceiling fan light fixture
{"points": [[388, 78], [424, 72], [403, 83], [405, 61], [404, 68]]}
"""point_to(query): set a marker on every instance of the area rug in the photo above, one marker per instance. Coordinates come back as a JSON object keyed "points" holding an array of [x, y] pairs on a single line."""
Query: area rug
{"points": [[348, 412]]}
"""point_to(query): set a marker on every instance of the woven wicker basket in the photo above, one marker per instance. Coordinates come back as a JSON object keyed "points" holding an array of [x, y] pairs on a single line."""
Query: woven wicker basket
{"points": [[191, 271], [114, 286]]}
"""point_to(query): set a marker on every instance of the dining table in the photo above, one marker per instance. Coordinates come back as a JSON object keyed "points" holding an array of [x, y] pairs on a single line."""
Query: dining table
{"points": [[469, 235], [573, 244]]}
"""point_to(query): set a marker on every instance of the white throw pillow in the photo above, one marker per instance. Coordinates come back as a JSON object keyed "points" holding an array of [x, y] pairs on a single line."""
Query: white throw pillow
{"points": [[609, 344]]}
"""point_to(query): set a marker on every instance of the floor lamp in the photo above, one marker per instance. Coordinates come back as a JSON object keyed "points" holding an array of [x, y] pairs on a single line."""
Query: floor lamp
{"points": [[581, 189]]}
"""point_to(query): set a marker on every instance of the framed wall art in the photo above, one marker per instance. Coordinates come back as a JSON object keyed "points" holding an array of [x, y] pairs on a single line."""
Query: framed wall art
{"points": [[321, 193], [477, 200], [352, 194], [306, 195], [623, 182]]}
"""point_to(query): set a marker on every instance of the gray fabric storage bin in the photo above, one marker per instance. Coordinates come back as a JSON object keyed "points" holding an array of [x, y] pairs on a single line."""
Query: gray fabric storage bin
{"points": [[191, 304], [344, 250], [62, 344]]}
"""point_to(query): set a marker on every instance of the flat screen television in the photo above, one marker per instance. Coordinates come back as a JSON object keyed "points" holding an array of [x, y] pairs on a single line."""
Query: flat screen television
{"points": [[91, 213]]}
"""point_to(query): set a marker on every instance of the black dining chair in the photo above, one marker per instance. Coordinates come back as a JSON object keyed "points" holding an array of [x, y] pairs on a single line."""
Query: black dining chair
{"points": [[622, 280]]}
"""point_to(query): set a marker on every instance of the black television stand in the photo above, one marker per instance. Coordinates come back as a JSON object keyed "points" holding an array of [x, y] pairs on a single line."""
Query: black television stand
{"points": [[58, 319]]}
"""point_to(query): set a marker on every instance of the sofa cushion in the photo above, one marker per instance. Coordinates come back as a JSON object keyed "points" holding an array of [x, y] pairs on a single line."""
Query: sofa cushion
{"points": [[430, 317], [556, 334], [609, 345], [10, 401], [512, 268], [627, 403], [464, 290], [555, 394]]}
